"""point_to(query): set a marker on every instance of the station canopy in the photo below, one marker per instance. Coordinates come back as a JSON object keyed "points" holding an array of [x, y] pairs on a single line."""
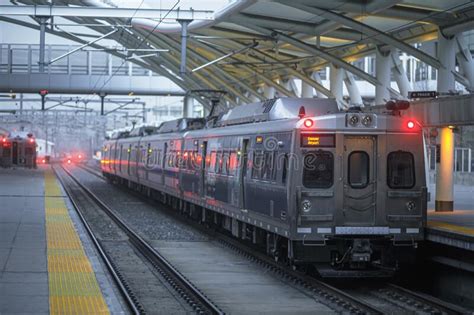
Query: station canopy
{"points": [[245, 45]]}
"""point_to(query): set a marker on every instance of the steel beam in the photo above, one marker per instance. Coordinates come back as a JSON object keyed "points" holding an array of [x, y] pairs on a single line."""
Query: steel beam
{"points": [[104, 12], [309, 48], [370, 31]]}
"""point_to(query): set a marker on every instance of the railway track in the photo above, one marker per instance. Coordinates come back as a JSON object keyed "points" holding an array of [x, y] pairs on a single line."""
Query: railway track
{"points": [[387, 298], [195, 298]]}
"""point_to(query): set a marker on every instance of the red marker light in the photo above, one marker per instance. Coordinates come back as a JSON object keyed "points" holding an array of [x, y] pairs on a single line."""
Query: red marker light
{"points": [[80, 156], [32, 140], [68, 161], [44, 161], [4, 140], [410, 124], [308, 123]]}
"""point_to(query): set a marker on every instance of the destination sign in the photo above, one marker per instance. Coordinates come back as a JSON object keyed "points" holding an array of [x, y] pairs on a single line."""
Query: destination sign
{"points": [[318, 140], [422, 94]]}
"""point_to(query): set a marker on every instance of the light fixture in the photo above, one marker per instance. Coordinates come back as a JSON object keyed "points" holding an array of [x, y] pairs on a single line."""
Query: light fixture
{"points": [[308, 123]]}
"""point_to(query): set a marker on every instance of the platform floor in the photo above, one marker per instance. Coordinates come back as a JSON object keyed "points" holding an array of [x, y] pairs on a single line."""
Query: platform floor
{"points": [[453, 228], [47, 264]]}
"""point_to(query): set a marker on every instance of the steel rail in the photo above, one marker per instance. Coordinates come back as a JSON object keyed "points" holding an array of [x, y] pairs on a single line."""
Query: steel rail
{"points": [[200, 302], [133, 305]]}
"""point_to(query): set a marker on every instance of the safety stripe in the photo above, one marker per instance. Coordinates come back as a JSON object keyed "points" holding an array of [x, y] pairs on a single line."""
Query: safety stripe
{"points": [[451, 227], [73, 287]]}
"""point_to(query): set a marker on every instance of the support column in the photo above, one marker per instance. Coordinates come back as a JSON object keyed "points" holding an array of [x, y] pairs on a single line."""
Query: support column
{"points": [[353, 89], [184, 39], [42, 47], [102, 96], [188, 107], [444, 175], [335, 82], [269, 92], [382, 68], [447, 57], [316, 77], [400, 76], [306, 89], [465, 61]]}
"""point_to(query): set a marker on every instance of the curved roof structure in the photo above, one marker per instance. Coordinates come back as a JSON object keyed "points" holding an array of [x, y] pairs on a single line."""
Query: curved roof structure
{"points": [[248, 44]]}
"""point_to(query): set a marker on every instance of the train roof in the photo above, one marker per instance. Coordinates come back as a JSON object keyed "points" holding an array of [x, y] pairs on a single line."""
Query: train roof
{"points": [[277, 109]]}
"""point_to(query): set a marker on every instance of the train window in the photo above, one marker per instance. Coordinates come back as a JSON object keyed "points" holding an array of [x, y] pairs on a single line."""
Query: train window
{"points": [[212, 161], [233, 163], [318, 169], [400, 170], [268, 169], [358, 169], [225, 163], [285, 169], [258, 163]]}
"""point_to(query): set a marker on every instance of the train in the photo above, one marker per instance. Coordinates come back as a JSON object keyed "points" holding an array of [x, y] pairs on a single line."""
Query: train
{"points": [[18, 149], [343, 191]]}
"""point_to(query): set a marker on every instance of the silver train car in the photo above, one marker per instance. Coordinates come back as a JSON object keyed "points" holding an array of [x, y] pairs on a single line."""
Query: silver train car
{"points": [[343, 191], [18, 149]]}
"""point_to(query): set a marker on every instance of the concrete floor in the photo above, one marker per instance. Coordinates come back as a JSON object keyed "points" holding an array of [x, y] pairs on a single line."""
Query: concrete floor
{"points": [[23, 246]]}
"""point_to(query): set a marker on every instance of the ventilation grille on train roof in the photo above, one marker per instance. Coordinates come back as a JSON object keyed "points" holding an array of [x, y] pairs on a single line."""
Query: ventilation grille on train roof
{"points": [[276, 109]]}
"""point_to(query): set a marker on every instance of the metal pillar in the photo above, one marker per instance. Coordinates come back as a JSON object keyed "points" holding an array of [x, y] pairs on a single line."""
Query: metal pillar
{"points": [[465, 61], [102, 97], [447, 57], [316, 77], [335, 82], [353, 89], [269, 92], [444, 176], [382, 68], [184, 39], [188, 107], [42, 47], [43, 101], [400, 76], [306, 90]]}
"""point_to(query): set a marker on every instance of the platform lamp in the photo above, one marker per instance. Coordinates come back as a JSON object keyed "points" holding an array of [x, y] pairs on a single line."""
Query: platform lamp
{"points": [[43, 94]]}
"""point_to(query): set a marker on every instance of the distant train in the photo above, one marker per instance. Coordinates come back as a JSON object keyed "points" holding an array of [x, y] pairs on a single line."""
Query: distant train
{"points": [[18, 149], [343, 191]]}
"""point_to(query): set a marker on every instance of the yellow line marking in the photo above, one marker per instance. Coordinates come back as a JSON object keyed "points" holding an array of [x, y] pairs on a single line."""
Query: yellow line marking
{"points": [[451, 227], [73, 287]]}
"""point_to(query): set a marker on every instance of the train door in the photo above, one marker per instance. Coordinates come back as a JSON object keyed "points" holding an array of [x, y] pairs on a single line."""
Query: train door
{"points": [[203, 168], [359, 169], [163, 162], [243, 171]]}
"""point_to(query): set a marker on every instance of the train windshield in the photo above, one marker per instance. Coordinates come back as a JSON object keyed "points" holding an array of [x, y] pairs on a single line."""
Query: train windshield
{"points": [[318, 169], [400, 170]]}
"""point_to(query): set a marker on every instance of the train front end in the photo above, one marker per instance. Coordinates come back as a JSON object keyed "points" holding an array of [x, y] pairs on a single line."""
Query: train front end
{"points": [[361, 192]]}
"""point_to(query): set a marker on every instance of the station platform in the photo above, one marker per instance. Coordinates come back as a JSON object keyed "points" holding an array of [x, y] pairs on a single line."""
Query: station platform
{"points": [[455, 228], [47, 263]]}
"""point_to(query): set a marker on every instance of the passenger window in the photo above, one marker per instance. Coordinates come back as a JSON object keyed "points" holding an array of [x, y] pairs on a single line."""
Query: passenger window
{"points": [[318, 169], [258, 163], [212, 164], [285, 169], [358, 169], [233, 163], [268, 168], [400, 170]]}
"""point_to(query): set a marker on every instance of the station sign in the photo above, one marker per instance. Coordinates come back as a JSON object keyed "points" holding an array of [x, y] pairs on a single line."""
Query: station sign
{"points": [[422, 94], [318, 140]]}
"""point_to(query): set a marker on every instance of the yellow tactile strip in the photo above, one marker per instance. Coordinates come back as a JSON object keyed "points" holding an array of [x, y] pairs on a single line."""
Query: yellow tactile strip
{"points": [[452, 227], [73, 288]]}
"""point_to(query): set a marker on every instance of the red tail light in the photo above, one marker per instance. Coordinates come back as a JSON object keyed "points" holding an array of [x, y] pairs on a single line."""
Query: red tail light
{"points": [[411, 124], [308, 123], [68, 161], [32, 140]]}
